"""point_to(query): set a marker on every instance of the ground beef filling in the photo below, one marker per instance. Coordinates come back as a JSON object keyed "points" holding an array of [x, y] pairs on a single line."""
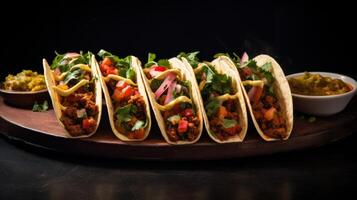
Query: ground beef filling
{"points": [[228, 110], [174, 130], [80, 114], [140, 114], [267, 113]]}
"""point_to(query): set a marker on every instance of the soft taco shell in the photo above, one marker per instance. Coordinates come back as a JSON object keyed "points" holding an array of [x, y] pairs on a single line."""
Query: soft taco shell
{"points": [[50, 82], [175, 63], [243, 122], [282, 89], [108, 102]]}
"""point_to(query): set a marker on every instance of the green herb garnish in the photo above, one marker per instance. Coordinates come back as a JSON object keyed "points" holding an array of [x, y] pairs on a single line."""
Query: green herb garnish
{"points": [[40, 107]]}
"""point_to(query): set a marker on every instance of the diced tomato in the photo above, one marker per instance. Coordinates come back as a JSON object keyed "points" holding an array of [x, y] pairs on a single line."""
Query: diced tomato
{"points": [[183, 125], [128, 91], [112, 70], [121, 85], [159, 68], [222, 112], [247, 71], [107, 61], [188, 112], [87, 123], [118, 95], [269, 114], [233, 130], [107, 67], [258, 94], [139, 133], [104, 68]]}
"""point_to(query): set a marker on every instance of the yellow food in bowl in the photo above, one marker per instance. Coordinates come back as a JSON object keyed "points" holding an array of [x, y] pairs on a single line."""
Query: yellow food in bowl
{"points": [[318, 85], [26, 80]]}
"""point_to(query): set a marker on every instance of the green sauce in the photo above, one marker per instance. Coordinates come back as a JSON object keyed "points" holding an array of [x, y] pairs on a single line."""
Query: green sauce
{"points": [[318, 85]]}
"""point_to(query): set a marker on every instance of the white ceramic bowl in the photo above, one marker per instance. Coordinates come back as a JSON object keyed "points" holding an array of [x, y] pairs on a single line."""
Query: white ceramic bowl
{"points": [[323, 105]]}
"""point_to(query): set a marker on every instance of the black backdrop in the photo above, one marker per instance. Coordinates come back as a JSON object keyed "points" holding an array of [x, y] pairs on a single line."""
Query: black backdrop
{"points": [[301, 36]]}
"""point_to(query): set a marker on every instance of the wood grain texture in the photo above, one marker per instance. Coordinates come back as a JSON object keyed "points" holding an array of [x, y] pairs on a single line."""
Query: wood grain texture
{"points": [[42, 129]]}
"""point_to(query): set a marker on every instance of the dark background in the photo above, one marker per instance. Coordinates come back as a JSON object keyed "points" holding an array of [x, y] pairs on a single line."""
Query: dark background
{"points": [[300, 35]]}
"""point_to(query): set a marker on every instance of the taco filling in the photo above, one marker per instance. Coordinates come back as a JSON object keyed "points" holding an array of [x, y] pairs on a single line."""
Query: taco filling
{"points": [[75, 87], [173, 96], [130, 117], [220, 98], [258, 83], [220, 101]]}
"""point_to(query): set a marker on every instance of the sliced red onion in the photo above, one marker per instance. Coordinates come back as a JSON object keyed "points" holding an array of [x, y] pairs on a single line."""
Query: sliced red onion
{"points": [[203, 76], [178, 88], [170, 93], [71, 55], [163, 87], [244, 58], [153, 72], [121, 84], [251, 93]]}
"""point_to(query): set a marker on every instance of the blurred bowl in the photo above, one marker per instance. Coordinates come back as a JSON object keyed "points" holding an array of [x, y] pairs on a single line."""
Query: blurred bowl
{"points": [[323, 105], [24, 99]]}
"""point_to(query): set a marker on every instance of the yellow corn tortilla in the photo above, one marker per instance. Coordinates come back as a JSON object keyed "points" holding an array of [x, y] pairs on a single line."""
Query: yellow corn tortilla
{"points": [[139, 83], [281, 87], [185, 75], [243, 121], [55, 94]]}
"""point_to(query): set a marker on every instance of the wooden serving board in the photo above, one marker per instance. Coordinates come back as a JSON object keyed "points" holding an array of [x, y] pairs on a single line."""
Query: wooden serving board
{"points": [[42, 129]]}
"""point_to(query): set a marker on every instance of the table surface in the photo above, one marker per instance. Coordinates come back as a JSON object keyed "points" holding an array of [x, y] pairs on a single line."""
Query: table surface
{"points": [[318, 173]]}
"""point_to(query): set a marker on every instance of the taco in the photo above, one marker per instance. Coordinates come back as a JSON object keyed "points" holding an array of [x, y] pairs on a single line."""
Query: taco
{"points": [[221, 98], [75, 91], [267, 94], [175, 104], [125, 96]]}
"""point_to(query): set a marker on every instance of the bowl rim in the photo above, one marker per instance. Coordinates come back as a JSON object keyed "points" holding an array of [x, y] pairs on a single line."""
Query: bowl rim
{"points": [[22, 92], [352, 82]]}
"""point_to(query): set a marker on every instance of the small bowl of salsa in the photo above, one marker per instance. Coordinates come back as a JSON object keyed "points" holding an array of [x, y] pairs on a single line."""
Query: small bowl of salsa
{"points": [[321, 93]]}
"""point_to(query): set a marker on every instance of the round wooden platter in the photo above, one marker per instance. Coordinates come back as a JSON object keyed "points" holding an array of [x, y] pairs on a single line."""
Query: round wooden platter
{"points": [[42, 129]]}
